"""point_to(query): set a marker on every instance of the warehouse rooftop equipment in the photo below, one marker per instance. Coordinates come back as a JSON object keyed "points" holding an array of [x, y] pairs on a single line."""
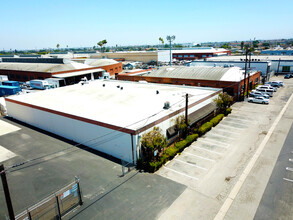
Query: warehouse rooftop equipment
{"points": [[109, 116]]}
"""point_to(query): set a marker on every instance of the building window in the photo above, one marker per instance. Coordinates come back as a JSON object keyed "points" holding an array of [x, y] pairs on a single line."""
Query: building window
{"points": [[179, 55], [174, 55], [192, 55], [286, 69], [31, 77], [204, 55], [256, 80], [210, 55], [17, 76], [185, 55]]}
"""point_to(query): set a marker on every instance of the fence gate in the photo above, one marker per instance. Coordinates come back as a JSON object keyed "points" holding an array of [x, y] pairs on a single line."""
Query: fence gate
{"points": [[56, 205]]}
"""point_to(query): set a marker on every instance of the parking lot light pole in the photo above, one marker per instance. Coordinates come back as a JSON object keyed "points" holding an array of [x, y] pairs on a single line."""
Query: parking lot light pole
{"points": [[170, 39]]}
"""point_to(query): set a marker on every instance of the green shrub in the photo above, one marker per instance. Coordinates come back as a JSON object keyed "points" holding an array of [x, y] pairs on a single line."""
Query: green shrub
{"points": [[217, 119], [171, 152], [205, 128], [181, 145], [228, 111], [190, 138]]}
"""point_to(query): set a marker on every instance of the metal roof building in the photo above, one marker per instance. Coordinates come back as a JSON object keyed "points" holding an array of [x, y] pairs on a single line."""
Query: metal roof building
{"points": [[110, 116], [233, 74], [230, 79]]}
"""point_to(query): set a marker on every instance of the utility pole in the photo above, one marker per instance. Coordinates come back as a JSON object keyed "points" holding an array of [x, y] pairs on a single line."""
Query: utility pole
{"points": [[6, 192], [246, 52], [186, 109], [170, 39], [248, 72]]}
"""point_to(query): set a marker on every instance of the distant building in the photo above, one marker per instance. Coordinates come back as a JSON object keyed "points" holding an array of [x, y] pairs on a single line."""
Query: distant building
{"points": [[230, 79], [266, 64], [278, 51], [199, 53], [25, 69]]}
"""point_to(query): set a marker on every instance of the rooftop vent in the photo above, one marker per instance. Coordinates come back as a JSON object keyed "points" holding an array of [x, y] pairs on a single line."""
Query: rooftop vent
{"points": [[166, 105], [157, 92], [118, 86], [103, 85], [121, 88]]}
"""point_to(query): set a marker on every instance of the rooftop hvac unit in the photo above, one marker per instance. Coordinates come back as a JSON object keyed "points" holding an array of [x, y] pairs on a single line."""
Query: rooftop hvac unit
{"points": [[166, 105]]}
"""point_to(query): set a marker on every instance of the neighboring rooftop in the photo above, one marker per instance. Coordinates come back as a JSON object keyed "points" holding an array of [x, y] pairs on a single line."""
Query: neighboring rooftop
{"points": [[100, 62], [201, 50], [232, 74], [117, 103], [255, 57], [43, 67]]}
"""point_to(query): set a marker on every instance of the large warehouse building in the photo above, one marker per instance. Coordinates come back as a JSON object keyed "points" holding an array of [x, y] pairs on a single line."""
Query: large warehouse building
{"points": [[25, 69], [110, 116], [230, 79]]}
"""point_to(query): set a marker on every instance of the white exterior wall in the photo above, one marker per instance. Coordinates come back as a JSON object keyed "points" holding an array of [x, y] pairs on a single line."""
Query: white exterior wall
{"points": [[171, 121], [275, 63], [117, 144]]}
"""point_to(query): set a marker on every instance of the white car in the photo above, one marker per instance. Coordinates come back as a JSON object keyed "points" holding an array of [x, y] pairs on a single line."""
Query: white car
{"points": [[259, 99]]}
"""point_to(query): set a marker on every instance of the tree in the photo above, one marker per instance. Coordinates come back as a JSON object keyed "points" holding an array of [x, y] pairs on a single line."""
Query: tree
{"points": [[242, 45], [180, 124], [151, 142], [223, 101], [58, 45], [102, 43], [162, 41]]}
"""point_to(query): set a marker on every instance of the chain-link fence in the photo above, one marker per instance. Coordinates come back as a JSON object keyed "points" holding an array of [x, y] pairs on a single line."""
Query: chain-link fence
{"points": [[56, 205]]}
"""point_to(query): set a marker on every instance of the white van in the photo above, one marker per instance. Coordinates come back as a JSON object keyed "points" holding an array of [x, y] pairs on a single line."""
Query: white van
{"points": [[267, 87], [270, 92]]}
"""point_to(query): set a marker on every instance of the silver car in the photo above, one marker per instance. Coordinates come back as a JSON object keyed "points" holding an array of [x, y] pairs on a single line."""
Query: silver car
{"points": [[258, 99]]}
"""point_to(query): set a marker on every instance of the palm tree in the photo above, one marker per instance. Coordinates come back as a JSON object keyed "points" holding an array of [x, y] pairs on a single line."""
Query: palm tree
{"points": [[101, 43], [162, 41]]}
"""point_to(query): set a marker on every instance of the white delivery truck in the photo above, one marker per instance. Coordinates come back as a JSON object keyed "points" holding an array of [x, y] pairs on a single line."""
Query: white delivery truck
{"points": [[39, 84], [56, 82]]}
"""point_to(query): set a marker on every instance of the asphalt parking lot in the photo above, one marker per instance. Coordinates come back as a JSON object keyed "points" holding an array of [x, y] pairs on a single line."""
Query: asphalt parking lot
{"points": [[106, 194]]}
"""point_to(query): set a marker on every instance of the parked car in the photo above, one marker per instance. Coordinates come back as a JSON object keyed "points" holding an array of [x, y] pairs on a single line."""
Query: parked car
{"points": [[273, 84], [267, 87], [259, 99], [255, 93], [280, 83], [269, 92], [288, 76]]}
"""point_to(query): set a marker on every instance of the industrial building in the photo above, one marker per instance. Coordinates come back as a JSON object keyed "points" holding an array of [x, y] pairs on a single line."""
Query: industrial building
{"points": [[278, 51], [230, 79], [109, 115], [199, 53], [25, 69], [265, 64]]}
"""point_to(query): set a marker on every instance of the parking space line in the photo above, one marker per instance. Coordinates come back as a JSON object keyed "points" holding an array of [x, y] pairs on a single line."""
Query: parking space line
{"points": [[183, 174], [221, 136], [232, 122], [237, 133], [199, 156], [289, 180], [215, 142], [231, 127], [289, 169], [190, 164], [211, 151], [238, 119]]}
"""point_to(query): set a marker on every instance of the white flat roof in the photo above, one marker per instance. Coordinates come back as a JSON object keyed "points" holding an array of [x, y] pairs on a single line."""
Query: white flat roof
{"points": [[77, 73], [134, 107]]}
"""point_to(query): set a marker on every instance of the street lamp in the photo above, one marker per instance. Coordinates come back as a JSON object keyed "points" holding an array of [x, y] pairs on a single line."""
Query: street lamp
{"points": [[170, 39]]}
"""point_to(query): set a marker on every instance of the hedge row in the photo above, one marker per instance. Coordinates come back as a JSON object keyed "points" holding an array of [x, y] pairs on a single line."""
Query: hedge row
{"points": [[169, 154], [178, 147]]}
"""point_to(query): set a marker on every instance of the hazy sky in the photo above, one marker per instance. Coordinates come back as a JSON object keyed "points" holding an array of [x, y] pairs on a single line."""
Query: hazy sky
{"points": [[31, 24]]}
